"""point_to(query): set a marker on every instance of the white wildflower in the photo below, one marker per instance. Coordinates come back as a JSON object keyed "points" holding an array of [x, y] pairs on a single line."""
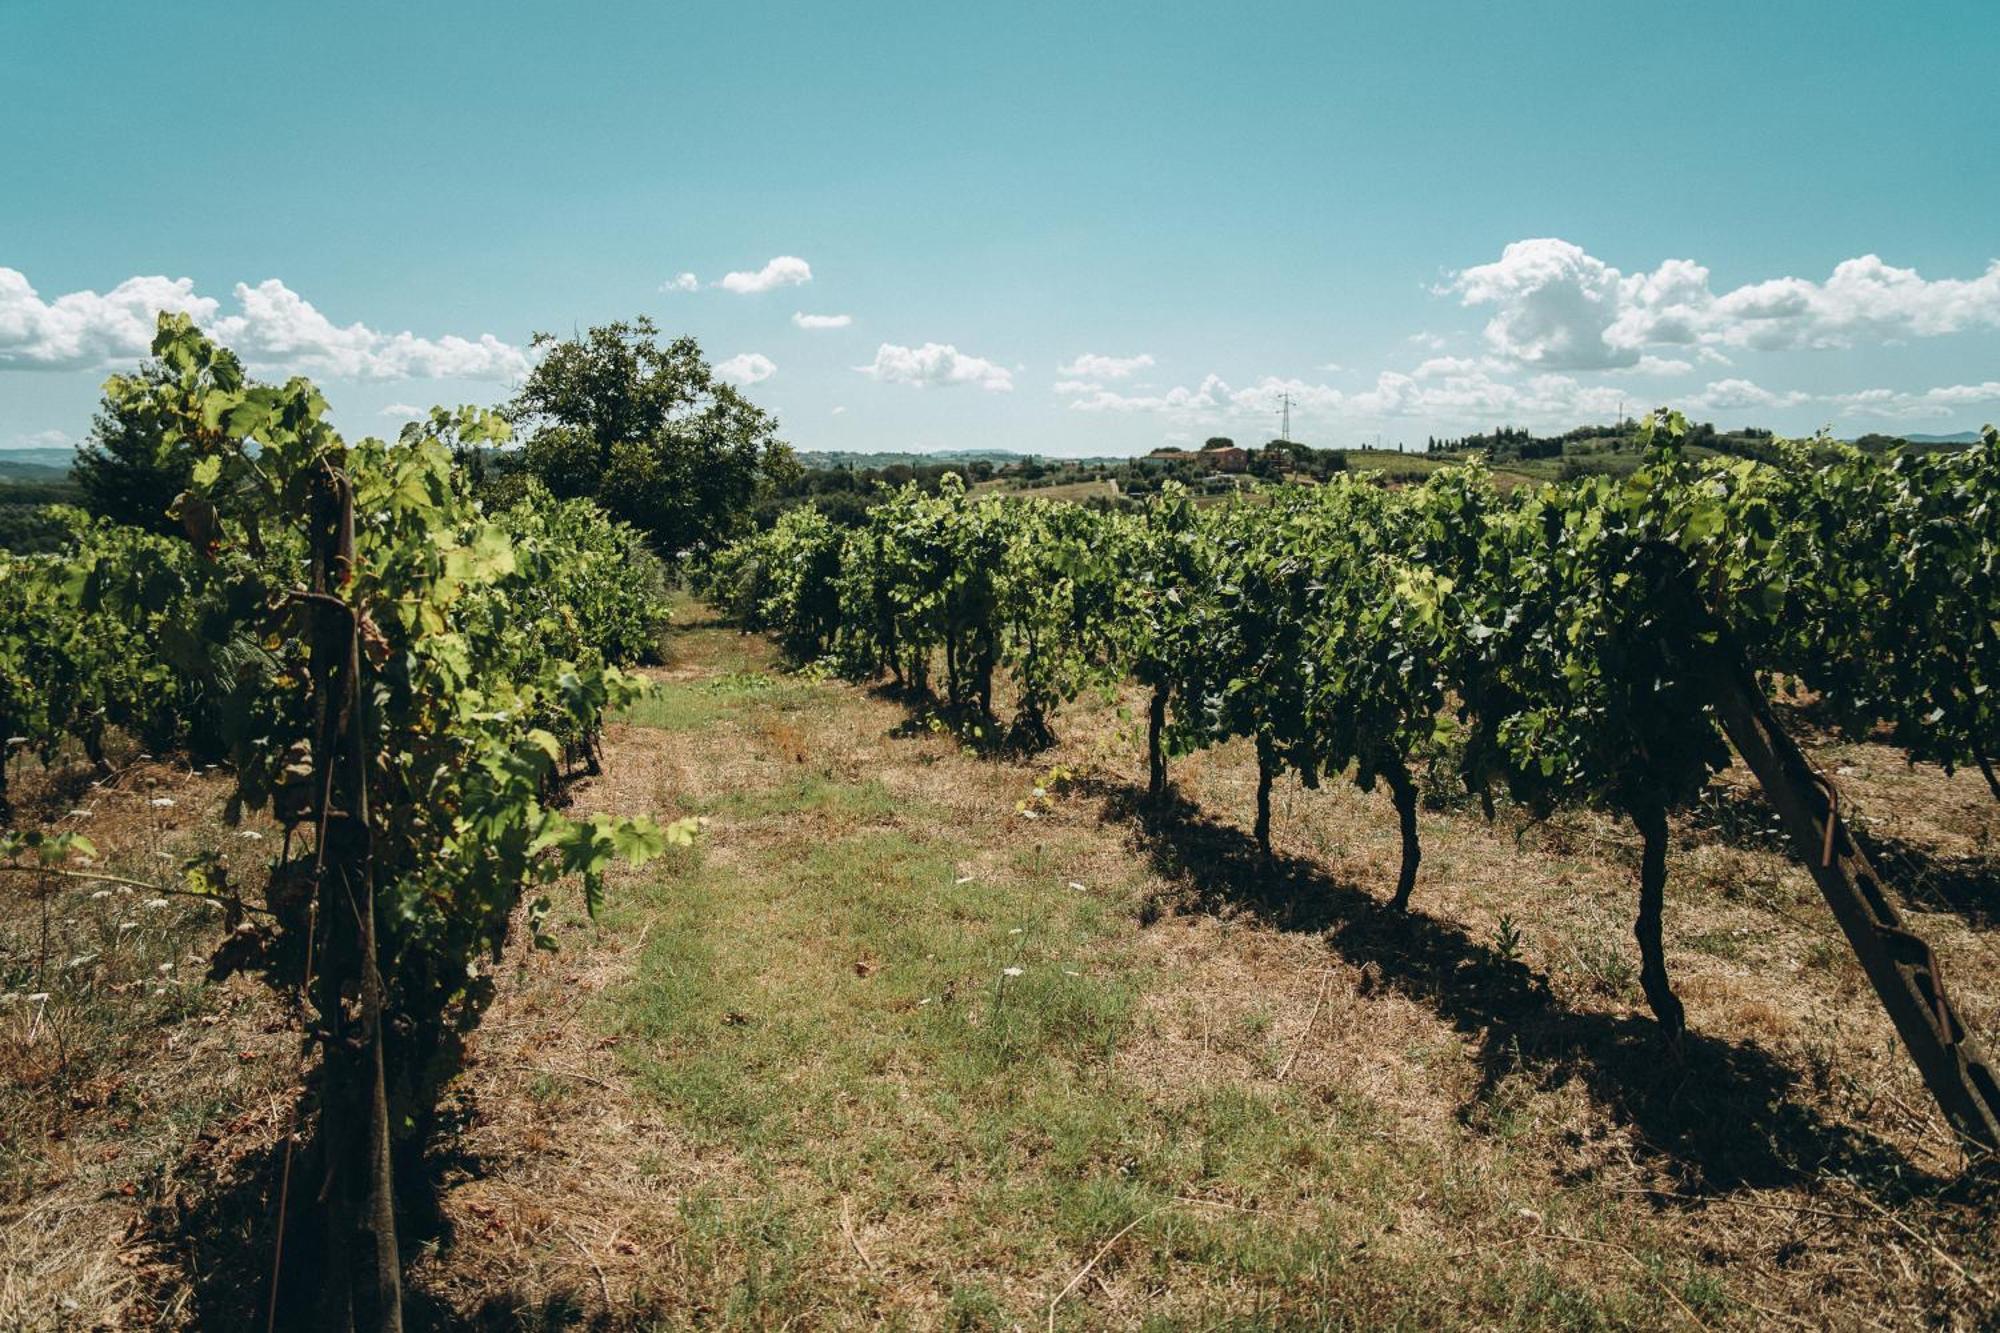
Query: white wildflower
{"points": [[250, 835], [1010, 971], [162, 802]]}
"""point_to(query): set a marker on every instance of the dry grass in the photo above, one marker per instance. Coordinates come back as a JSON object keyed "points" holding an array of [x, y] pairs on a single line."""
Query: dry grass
{"points": [[121, 1065], [789, 1079]]}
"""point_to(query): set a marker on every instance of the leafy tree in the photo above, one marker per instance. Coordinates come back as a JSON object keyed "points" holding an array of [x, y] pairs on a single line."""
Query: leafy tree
{"points": [[646, 429]]}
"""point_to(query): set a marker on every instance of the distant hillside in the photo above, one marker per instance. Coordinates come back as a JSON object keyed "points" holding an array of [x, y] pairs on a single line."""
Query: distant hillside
{"points": [[37, 464], [1957, 437]]}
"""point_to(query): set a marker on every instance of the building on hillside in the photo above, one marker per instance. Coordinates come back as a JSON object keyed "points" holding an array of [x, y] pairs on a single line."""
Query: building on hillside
{"points": [[1218, 455]]}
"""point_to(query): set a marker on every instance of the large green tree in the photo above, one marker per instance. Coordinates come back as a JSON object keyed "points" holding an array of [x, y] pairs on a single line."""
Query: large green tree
{"points": [[645, 427]]}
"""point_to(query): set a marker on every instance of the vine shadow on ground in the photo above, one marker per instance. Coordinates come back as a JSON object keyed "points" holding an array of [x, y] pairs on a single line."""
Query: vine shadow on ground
{"points": [[1720, 1116], [967, 723], [1923, 880], [220, 1231]]}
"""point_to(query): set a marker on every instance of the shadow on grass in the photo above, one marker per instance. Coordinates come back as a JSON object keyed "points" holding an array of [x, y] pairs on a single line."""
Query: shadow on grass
{"points": [[1922, 880], [967, 723], [1719, 1114], [220, 1229]]}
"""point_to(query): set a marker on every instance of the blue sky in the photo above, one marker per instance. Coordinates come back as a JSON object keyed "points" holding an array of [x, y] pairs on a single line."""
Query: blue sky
{"points": [[1058, 228]]}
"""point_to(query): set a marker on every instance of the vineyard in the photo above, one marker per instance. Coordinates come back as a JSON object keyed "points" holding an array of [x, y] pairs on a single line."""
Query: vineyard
{"points": [[1006, 909]]}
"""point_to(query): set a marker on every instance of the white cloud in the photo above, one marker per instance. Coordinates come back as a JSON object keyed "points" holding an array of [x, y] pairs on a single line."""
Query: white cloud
{"points": [[747, 368], [681, 282], [1558, 307], [839, 411], [1733, 395], [83, 330], [1205, 400], [1944, 401], [275, 329], [784, 271], [1091, 366], [42, 439], [1447, 391], [1439, 367], [938, 364], [403, 410], [279, 328], [805, 321], [1664, 365]]}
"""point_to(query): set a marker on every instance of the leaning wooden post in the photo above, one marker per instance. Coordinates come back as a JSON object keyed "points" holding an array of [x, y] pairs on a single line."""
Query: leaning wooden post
{"points": [[1901, 966]]}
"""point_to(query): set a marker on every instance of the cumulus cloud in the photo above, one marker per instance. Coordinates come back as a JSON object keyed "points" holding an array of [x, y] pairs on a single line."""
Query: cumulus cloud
{"points": [[403, 410], [681, 282], [1943, 401], [1558, 307], [280, 328], [275, 329], [784, 271], [1446, 390], [805, 321], [936, 364], [1664, 365], [83, 330], [1091, 366], [42, 439], [1740, 394], [747, 368]]}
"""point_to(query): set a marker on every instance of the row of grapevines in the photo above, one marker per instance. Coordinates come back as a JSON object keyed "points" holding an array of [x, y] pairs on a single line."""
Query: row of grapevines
{"points": [[397, 675], [1344, 628], [83, 637], [947, 582]]}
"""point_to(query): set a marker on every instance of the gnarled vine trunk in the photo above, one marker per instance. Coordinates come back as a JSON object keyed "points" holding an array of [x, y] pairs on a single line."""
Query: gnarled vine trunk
{"points": [[1403, 789], [1156, 746], [1267, 768], [1651, 820]]}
